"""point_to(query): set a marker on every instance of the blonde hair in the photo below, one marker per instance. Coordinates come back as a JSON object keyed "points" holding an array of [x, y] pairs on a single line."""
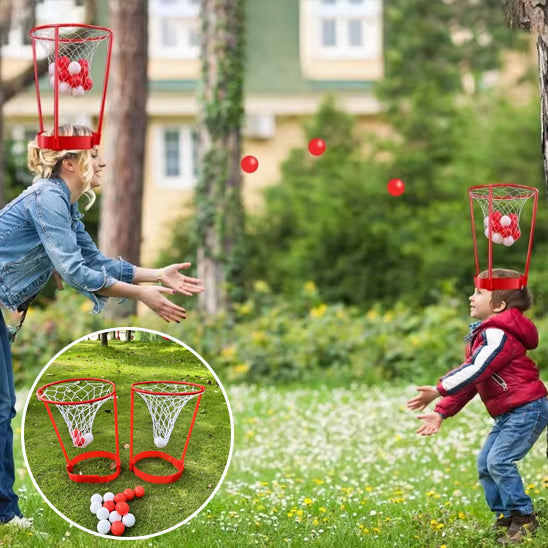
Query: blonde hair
{"points": [[46, 163]]}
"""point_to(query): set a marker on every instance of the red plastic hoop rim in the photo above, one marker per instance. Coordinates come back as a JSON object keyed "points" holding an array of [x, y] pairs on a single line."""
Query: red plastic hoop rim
{"points": [[68, 142], [530, 191], [41, 397], [153, 478], [492, 284], [154, 393], [93, 478], [107, 32]]}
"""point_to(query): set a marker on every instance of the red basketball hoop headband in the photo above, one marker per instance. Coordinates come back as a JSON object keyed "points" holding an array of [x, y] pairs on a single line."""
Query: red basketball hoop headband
{"points": [[69, 49], [501, 207], [78, 401]]}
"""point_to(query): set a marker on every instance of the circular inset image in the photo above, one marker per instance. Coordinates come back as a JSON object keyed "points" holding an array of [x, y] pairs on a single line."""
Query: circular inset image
{"points": [[127, 433]]}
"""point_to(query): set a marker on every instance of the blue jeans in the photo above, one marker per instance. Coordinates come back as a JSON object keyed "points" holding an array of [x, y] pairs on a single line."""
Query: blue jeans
{"points": [[8, 498], [511, 438]]}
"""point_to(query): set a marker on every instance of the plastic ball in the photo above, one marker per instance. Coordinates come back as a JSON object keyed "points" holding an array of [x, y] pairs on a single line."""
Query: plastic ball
{"points": [[249, 164], [128, 520], [88, 438], [108, 496], [129, 494], [316, 147], [94, 506], [497, 238], [139, 491], [505, 220], [103, 513], [114, 516], [117, 528], [395, 187], [74, 67], [87, 84], [64, 88], [122, 508], [78, 91], [160, 442], [96, 498], [103, 526], [120, 497], [486, 221], [109, 505], [51, 69], [508, 241], [64, 61], [75, 80]]}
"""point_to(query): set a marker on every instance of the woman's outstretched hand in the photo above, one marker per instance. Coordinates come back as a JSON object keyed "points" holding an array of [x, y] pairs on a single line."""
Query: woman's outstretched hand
{"points": [[153, 296], [171, 277]]}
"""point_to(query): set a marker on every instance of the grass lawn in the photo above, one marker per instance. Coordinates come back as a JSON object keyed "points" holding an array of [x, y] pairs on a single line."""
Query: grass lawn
{"points": [[164, 505], [333, 467]]}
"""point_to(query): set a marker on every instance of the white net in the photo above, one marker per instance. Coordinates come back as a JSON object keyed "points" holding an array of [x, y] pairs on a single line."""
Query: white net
{"points": [[78, 416], [76, 46], [165, 406], [501, 224]]}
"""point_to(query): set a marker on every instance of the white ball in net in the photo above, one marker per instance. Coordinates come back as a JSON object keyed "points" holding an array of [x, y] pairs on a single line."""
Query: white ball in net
{"points": [[78, 91], [160, 442], [505, 221], [74, 67], [128, 520], [102, 513], [88, 438], [486, 221], [51, 69], [103, 526], [508, 241], [497, 238], [64, 88]]}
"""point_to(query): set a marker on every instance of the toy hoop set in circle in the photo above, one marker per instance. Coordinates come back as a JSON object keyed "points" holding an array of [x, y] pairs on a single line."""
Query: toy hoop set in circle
{"points": [[78, 401], [69, 49], [501, 206], [165, 400]]}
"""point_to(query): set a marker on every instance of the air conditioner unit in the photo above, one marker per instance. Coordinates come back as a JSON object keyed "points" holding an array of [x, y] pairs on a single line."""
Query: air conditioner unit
{"points": [[260, 126]]}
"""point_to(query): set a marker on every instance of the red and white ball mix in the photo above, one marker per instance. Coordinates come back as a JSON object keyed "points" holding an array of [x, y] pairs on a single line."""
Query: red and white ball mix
{"points": [[114, 519], [503, 229], [74, 78]]}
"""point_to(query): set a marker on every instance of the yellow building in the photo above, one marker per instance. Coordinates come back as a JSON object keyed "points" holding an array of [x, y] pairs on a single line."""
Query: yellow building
{"points": [[297, 52]]}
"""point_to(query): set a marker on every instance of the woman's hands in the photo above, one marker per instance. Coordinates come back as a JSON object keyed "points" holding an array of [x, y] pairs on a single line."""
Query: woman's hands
{"points": [[172, 278], [153, 297]]}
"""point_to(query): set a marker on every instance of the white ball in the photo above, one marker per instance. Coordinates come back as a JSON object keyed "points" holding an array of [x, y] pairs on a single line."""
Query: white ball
{"points": [[486, 232], [88, 438], [114, 516], [102, 513], [505, 221], [64, 88], [128, 520], [508, 241], [74, 67], [52, 80], [486, 221], [160, 442], [103, 526], [78, 91], [94, 506], [51, 69], [108, 496], [497, 238], [96, 498]]}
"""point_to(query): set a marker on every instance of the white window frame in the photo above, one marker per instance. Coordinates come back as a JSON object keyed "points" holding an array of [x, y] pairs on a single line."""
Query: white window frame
{"points": [[184, 17], [187, 176], [367, 12]]}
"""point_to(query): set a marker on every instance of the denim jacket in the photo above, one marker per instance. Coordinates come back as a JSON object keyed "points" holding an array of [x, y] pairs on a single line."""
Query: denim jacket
{"points": [[40, 231]]}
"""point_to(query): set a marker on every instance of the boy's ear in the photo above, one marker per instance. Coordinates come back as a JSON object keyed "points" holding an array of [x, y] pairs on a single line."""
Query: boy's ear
{"points": [[501, 307]]}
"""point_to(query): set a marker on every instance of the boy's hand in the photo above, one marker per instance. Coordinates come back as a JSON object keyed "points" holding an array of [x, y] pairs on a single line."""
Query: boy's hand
{"points": [[431, 424], [427, 394]]}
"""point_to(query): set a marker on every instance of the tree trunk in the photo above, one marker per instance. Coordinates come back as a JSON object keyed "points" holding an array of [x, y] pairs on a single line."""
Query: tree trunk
{"points": [[120, 227], [532, 15], [218, 193], [104, 338]]}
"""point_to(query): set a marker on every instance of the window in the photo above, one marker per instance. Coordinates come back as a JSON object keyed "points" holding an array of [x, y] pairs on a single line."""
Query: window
{"points": [[349, 29], [174, 28], [178, 157]]}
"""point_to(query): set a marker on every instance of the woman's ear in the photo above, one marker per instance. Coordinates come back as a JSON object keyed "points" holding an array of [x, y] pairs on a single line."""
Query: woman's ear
{"points": [[68, 163]]}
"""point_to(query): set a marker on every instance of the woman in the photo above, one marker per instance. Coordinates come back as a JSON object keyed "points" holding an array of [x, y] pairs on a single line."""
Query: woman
{"points": [[41, 233]]}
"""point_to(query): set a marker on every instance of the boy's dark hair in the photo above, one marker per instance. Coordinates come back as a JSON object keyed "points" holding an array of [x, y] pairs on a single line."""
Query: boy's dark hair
{"points": [[522, 299]]}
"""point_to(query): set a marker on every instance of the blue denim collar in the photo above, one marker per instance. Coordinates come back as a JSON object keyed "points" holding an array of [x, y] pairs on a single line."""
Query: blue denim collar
{"points": [[61, 184], [473, 326]]}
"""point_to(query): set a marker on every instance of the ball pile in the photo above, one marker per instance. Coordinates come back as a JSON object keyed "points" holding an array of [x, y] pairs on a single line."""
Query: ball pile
{"points": [[112, 511], [504, 228], [79, 439], [73, 76]]}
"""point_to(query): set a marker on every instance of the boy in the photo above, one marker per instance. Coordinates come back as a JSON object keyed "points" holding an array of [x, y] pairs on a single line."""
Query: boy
{"points": [[498, 369]]}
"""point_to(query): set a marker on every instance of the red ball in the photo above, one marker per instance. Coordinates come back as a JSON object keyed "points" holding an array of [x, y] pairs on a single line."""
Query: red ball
{"points": [[63, 62], [129, 494], [117, 528], [110, 505], [139, 491], [122, 508], [249, 164], [75, 80], [316, 147], [87, 83], [120, 497], [396, 187]]}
